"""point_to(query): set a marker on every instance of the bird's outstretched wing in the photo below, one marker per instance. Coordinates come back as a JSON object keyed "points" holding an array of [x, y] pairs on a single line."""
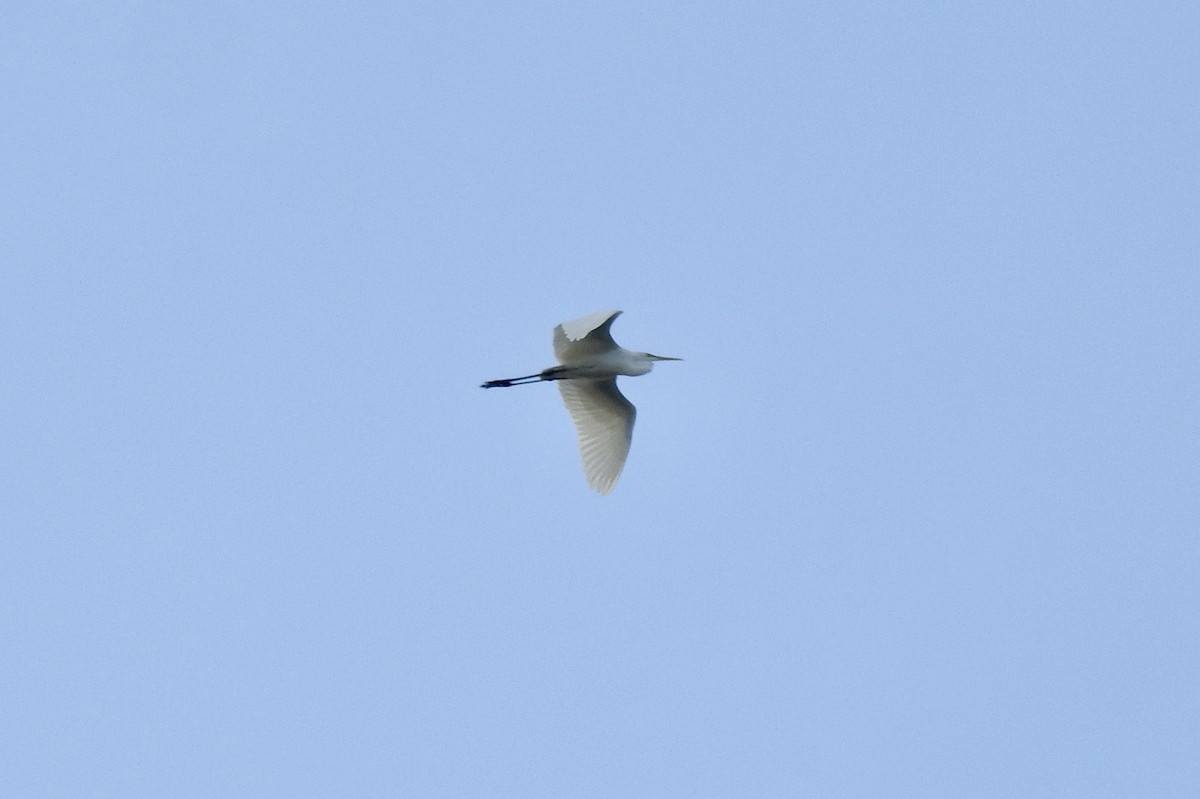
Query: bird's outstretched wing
{"points": [[604, 420], [585, 336]]}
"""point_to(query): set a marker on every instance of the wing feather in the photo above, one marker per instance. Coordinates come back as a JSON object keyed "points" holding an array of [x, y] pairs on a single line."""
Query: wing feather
{"points": [[604, 420], [587, 335]]}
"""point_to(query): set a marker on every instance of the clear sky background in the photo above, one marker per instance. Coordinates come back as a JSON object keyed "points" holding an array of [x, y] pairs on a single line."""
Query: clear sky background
{"points": [[917, 516]]}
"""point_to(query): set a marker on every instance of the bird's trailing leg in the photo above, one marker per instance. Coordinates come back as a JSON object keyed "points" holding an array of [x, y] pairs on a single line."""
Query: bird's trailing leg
{"points": [[553, 373], [512, 381]]}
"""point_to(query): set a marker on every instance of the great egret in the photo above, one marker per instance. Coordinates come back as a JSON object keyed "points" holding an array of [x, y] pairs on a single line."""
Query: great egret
{"points": [[589, 362]]}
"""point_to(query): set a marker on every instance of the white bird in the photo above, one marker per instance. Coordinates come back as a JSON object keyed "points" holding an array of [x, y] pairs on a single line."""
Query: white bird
{"points": [[589, 362]]}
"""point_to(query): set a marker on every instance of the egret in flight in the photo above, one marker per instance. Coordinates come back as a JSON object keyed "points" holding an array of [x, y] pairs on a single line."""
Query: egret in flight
{"points": [[589, 362]]}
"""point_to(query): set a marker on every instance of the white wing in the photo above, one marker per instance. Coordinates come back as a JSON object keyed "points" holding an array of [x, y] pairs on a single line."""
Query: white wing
{"points": [[604, 419], [587, 335]]}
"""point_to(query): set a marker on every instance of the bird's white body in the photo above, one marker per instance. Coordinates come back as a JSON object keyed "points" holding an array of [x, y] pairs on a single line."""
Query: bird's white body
{"points": [[589, 364], [607, 364]]}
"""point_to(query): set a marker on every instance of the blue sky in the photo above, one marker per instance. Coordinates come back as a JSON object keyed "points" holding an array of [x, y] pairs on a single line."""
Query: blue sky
{"points": [[917, 515]]}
